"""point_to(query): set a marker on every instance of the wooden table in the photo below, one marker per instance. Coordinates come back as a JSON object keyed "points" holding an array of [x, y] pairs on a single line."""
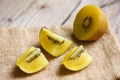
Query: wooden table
{"points": [[32, 13], [36, 13]]}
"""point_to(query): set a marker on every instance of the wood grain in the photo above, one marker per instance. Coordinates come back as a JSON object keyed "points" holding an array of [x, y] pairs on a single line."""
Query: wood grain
{"points": [[38, 13], [14, 41], [12, 9]]}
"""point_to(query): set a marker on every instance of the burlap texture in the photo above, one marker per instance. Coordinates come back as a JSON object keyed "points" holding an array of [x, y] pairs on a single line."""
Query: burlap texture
{"points": [[15, 40]]}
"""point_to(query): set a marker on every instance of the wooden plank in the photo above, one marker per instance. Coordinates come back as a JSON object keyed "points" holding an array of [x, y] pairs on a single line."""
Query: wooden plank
{"points": [[14, 41], [98, 3], [52, 12], [11, 9]]}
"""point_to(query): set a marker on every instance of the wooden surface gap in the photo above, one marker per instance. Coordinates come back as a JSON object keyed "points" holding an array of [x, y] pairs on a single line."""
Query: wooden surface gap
{"points": [[69, 15], [51, 13], [22, 10], [108, 3]]}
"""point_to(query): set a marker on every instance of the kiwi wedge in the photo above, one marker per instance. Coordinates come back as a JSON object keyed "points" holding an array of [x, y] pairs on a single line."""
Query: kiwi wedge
{"points": [[53, 43], [77, 59], [33, 60]]}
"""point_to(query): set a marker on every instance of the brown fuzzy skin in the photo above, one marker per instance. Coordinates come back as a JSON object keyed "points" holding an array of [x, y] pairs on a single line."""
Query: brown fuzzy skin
{"points": [[102, 28]]}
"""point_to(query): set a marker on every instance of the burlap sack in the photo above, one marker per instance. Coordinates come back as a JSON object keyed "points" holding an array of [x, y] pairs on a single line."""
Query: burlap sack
{"points": [[14, 41]]}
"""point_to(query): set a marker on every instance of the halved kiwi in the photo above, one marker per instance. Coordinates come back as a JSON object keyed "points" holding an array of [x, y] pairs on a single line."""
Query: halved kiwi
{"points": [[90, 23]]}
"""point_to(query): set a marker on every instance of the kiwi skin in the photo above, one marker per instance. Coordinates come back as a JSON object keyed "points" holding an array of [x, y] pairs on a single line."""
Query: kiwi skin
{"points": [[101, 29]]}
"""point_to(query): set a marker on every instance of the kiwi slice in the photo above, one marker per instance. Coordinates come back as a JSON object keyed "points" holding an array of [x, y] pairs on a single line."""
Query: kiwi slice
{"points": [[33, 60], [77, 59], [90, 23], [53, 43]]}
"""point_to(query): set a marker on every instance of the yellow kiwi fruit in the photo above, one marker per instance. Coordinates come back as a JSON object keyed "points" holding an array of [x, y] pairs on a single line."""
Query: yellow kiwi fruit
{"points": [[77, 59], [33, 60], [90, 23], [53, 43]]}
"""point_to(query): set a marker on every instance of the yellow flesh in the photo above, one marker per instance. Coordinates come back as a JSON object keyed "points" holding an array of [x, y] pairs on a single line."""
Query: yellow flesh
{"points": [[22, 57], [87, 11], [49, 46], [77, 64], [35, 65]]}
